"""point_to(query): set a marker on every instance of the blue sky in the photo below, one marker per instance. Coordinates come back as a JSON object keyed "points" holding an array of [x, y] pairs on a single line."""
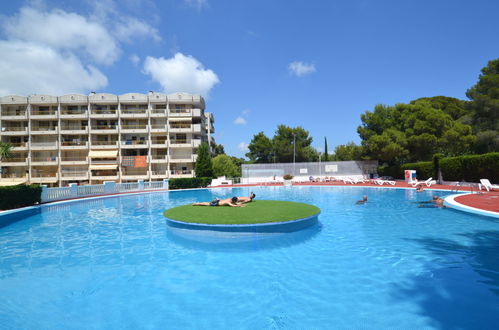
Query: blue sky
{"points": [[317, 64]]}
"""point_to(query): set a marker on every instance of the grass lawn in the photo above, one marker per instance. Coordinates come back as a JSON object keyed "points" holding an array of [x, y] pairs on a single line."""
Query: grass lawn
{"points": [[260, 211]]}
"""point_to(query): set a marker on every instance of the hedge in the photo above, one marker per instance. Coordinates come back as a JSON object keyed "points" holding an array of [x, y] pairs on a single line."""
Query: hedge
{"points": [[471, 168], [184, 183], [18, 196], [424, 170], [394, 171]]}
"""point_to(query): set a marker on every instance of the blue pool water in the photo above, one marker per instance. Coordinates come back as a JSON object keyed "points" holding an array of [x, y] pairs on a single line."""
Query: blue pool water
{"points": [[113, 263]]}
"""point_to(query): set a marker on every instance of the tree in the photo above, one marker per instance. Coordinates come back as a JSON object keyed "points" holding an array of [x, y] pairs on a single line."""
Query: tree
{"points": [[326, 156], [203, 165], [293, 142], [224, 166], [349, 151], [5, 150], [217, 149], [260, 149]]}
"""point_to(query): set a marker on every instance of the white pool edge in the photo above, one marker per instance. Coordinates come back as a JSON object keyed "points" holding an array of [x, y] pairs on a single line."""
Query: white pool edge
{"points": [[450, 201]]}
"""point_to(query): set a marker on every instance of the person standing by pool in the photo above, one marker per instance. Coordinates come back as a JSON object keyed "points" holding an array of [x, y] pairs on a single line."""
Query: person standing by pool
{"points": [[233, 202], [244, 200]]}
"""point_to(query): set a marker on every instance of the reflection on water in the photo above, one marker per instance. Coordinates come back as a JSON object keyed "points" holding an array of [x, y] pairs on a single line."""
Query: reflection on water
{"points": [[238, 241]]}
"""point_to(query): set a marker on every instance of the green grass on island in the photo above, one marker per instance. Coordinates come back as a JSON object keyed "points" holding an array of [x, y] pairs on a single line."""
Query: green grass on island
{"points": [[260, 211]]}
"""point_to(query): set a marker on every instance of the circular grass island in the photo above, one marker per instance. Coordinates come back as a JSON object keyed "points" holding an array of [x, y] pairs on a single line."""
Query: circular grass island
{"points": [[261, 215]]}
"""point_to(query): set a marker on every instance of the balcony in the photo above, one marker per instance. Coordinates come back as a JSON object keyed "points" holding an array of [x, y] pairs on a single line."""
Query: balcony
{"points": [[104, 129], [74, 175], [180, 113], [42, 177], [74, 130], [49, 114], [104, 144], [104, 177], [15, 161], [74, 160], [155, 174], [74, 145], [14, 130], [133, 128], [133, 113], [159, 128], [44, 130], [98, 114], [142, 175], [74, 114], [158, 113], [155, 159], [134, 144], [181, 173], [185, 128], [181, 158], [19, 146], [44, 145], [159, 143], [188, 143], [14, 115], [48, 160]]}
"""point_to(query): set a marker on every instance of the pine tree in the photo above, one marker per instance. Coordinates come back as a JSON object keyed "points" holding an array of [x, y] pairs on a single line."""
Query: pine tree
{"points": [[203, 162], [326, 156]]}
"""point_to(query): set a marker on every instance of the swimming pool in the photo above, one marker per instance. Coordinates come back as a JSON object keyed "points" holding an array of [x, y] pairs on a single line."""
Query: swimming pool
{"points": [[114, 263]]}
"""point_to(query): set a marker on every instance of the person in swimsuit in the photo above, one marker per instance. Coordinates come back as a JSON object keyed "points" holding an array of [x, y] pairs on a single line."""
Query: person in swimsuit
{"points": [[244, 200], [434, 202], [232, 202], [363, 200]]}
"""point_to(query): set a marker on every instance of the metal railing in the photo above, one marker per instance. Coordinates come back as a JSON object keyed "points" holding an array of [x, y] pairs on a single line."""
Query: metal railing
{"points": [[75, 191]]}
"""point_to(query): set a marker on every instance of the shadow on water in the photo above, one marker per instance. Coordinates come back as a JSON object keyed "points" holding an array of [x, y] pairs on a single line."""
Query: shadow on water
{"points": [[208, 240], [459, 289]]}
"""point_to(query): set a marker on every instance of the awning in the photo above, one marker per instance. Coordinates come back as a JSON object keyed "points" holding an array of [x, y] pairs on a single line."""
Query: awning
{"points": [[11, 183], [103, 153], [104, 167]]}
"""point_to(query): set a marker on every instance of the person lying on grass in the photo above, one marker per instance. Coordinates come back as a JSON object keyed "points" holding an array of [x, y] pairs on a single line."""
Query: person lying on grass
{"points": [[244, 200], [233, 202]]}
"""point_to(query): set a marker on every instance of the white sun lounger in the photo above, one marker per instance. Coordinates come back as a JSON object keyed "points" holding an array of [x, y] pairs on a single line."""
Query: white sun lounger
{"points": [[489, 186], [428, 182], [382, 182]]}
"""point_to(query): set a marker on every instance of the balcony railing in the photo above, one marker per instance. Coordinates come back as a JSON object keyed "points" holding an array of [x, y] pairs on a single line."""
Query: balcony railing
{"points": [[133, 142], [45, 144], [13, 129], [180, 172], [74, 143], [73, 112], [18, 144], [134, 126], [43, 128], [104, 112], [14, 160], [180, 110], [180, 126], [73, 128], [74, 174], [14, 113], [103, 143], [44, 175], [43, 113], [153, 156], [73, 159], [134, 111], [158, 126], [104, 127], [51, 159], [178, 141]]}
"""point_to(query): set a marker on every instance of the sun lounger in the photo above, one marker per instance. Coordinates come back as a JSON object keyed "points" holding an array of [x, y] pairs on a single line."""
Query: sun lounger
{"points": [[382, 182], [428, 182], [489, 186]]}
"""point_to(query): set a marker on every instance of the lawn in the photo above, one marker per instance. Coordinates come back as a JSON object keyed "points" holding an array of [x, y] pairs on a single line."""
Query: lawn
{"points": [[261, 211]]}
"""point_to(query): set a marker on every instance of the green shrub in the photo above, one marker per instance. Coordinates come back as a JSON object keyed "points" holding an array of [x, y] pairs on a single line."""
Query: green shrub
{"points": [[18, 196], [471, 168], [394, 171], [184, 183], [424, 170], [436, 164]]}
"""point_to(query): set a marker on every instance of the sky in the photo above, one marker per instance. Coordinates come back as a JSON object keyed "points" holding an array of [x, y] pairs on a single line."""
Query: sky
{"points": [[259, 63]]}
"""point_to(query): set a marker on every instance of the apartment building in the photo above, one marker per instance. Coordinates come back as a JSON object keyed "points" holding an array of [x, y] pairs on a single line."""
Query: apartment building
{"points": [[102, 137]]}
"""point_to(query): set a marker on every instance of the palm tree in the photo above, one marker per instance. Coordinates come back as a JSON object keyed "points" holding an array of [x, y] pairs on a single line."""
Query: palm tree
{"points": [[5, 150]]}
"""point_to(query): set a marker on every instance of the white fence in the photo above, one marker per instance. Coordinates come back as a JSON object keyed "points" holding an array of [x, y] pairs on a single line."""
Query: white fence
{"points": [[109, 187]]}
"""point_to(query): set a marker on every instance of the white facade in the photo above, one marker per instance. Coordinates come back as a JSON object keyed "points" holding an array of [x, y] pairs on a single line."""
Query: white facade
{"points": [[102, 137]]}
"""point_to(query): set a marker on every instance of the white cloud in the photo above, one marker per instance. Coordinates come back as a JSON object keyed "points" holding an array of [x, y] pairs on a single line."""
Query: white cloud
{"points": [[243, 147], [28, 68], [246, 112], [240, 121], [198, 4], [63, 31], [56, 52], [134, 59], [181, 73], [300, 69]]}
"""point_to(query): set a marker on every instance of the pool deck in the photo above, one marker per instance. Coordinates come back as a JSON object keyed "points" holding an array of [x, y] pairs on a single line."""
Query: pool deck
{"points": [[476, 199]]}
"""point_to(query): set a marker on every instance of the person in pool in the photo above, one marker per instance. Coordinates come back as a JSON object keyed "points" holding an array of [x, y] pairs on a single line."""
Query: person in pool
{"points": [[434, 202], [244, 200], [363, 200], [233, 202]]}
